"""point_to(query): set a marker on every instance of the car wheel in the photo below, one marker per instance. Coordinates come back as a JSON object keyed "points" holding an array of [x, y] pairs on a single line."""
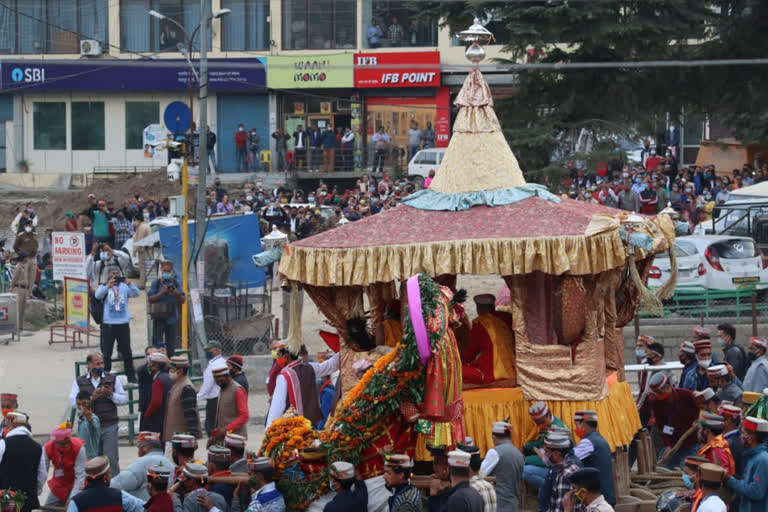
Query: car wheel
{"points": [[418, 182]]}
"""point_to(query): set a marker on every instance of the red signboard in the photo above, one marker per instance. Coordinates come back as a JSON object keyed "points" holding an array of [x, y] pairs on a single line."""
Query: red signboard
{"points": [[401, 69]]}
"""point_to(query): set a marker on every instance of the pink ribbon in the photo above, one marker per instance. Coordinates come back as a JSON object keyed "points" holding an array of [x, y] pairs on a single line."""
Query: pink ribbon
{"points": [[417, 319]]}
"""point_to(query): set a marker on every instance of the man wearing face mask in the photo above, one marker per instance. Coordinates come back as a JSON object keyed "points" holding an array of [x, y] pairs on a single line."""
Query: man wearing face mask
{"points": [[594, 451], [556, 449], [26, 242], [721, 379], [106, 394], [232, 405], [22, 464], [241, 149], [698, 379], [182, 414], [732, 353], [675, 411], [115, 326], [209, 391], [586, 491], [753, 488], [687, 357], [535, 471], [756, 378], [165, 297], [505, 462], [161, 386], [67, 455]]}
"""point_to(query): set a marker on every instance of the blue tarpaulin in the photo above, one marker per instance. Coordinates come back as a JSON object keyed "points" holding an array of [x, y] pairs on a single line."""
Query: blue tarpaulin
{"points": [[228, 249]]}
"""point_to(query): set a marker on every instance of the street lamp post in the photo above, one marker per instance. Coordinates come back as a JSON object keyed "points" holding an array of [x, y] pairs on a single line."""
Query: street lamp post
{"points": [[200, 213]]}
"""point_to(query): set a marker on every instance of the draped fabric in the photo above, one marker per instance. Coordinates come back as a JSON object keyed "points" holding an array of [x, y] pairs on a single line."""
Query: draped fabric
{"points": [[617, 414], [337, 304], [379, 295]]}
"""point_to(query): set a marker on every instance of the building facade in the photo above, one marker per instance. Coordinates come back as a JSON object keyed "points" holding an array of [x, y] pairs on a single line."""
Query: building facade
{"points": [[81, 79]]}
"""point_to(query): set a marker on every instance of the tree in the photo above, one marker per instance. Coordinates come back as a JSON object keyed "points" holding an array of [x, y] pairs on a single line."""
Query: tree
{"points": [[551, 104]]}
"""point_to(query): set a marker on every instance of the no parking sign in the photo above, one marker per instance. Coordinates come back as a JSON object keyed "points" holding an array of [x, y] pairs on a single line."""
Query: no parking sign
{"points": [[69, 255]]}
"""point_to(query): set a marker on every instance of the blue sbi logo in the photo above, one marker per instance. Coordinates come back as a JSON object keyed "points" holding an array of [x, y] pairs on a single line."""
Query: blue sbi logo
{"points": [[28, 75]]}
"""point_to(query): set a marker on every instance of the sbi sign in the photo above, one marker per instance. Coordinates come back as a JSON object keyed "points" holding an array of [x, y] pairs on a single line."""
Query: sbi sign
{"points": [[28, 75]]}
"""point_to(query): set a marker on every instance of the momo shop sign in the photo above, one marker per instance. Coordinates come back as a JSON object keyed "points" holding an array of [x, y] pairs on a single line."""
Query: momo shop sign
{"points": [[310, 71], [401, 69]]}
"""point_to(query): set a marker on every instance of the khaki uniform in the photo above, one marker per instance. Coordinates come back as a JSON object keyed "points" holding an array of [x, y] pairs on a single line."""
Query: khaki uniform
{"points": [[142, 231], [21, 285]]}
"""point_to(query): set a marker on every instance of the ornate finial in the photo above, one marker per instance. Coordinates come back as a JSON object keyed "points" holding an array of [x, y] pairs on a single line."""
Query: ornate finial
{"points": [[476, 36]]}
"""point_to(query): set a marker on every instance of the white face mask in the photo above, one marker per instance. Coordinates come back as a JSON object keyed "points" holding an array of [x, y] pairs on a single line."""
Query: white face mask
{"points": [[173, 375], [241, 129], [704, 363], [28, 229]]}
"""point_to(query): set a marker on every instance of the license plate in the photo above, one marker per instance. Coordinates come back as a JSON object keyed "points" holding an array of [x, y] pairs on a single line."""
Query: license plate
{"points": [[742, 280]]}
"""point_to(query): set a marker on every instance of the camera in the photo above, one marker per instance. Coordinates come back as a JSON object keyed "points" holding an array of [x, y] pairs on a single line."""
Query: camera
{"points": [[119, 279]]}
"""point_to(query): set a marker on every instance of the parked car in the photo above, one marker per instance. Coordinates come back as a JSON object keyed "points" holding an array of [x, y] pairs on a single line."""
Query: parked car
{"points": [[422, 162], [717, 262]]}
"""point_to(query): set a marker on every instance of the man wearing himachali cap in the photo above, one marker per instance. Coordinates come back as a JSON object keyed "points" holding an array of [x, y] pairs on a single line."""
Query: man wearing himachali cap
{"points": [[753, 488], [756, 378], [712, 444], [731, 424], [351, 493], [397, 473], [687, 357], [98, 496], [594, 451], [727, 388], [534, 471], [698, 379], [8, 402], [505, 462], [266, 497], [133, 479], [675, 411], [462, 497], [67, 455], [21, 460], [556, 447]]}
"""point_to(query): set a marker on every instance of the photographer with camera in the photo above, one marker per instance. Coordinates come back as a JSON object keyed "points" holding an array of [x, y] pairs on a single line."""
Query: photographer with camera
{"points": [[115, 325], [165, 296]]}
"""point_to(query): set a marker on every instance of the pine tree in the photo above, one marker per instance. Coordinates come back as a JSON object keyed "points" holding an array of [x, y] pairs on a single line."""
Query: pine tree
{"points": [[550, 105]]}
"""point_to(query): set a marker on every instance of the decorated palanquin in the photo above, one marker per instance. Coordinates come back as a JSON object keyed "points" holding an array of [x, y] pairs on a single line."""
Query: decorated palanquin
{"points": [[575, 273]]}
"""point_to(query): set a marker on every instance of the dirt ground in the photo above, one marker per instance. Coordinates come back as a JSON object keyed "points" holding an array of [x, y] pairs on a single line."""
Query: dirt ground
{"points": [[52, 204]]}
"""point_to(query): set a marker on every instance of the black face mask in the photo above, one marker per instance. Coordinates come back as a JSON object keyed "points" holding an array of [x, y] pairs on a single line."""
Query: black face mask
{"points": [[751, 356]]}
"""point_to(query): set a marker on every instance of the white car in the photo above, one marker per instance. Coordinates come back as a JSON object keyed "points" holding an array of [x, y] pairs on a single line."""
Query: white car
{"points": [[422, 162], [716, 262]]}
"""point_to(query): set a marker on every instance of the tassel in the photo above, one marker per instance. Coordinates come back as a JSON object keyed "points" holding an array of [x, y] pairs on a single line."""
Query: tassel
{"points": [[668, 289], [651, 302], [294, 340]]}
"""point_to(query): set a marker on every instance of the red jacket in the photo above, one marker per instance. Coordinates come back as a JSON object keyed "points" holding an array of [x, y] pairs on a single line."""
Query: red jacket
{"points": [[63, 468], [159, 503], [241, 138]]}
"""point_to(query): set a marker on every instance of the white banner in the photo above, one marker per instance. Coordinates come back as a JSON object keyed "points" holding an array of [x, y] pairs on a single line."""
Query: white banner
{"points": [[68, 255]]}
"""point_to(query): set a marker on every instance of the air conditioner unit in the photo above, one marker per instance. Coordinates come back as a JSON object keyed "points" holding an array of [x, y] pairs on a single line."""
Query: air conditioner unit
{"points": [[90, 47]]}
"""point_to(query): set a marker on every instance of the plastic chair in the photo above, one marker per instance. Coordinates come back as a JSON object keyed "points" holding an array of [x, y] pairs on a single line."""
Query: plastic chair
{"points": [[265, 156]]}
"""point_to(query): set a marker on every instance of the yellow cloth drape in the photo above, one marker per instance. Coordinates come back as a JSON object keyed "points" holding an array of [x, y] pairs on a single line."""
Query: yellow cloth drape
{"points": [[393, 332], [578, 255], [617, 415], [503, 346]]}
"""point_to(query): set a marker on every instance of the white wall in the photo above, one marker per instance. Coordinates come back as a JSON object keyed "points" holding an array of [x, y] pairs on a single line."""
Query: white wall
{"points": [[114, 153]]}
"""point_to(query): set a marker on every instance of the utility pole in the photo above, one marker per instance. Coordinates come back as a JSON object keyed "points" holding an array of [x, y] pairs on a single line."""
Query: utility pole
{"points": [[200, 214]]}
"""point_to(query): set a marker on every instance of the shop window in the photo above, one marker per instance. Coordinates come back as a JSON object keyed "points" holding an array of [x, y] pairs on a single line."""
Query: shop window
{"points": [[319, 24], [51, 26], [139, 115], [88, 125], [49, 125], [246, 28], [394, 23], [140, 32]]}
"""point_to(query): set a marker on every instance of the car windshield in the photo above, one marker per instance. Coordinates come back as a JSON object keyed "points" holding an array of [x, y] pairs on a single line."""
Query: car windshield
{"points": [[735, 249]]}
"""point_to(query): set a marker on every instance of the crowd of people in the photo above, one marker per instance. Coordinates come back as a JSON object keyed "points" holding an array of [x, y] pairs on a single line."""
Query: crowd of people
{"points": [[695, 192]]}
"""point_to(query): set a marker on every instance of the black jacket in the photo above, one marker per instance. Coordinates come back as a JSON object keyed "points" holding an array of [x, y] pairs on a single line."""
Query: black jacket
{"points": [[737, 358]]}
